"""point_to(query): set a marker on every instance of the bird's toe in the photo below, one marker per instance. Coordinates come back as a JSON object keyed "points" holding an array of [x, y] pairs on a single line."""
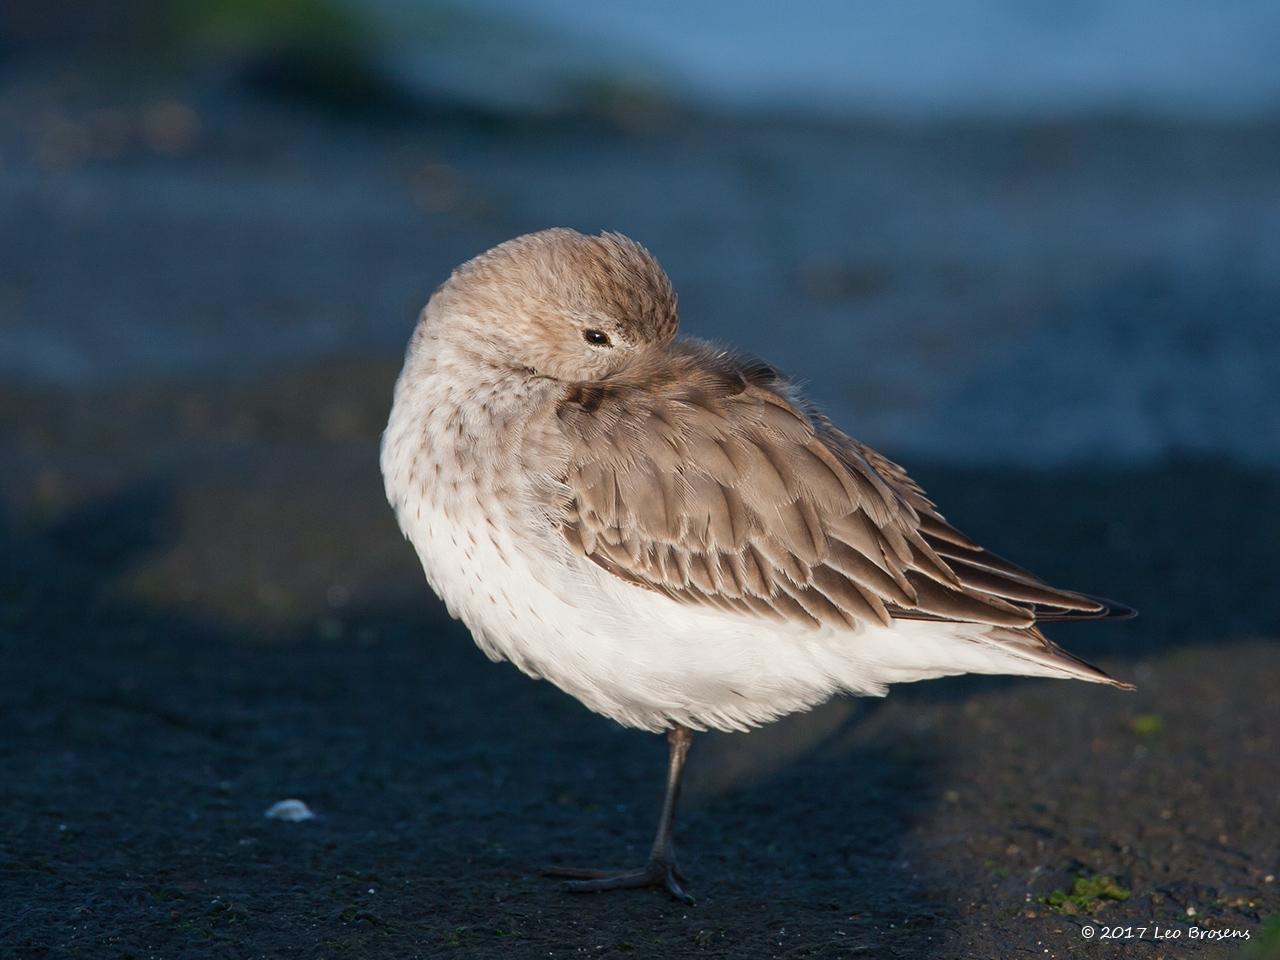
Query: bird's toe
{"points": [[655, 874]]}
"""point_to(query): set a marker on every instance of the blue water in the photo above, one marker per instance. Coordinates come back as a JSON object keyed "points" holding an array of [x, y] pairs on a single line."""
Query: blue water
{"points": [[1174, 58], [1035, 296], [1017, 292]]}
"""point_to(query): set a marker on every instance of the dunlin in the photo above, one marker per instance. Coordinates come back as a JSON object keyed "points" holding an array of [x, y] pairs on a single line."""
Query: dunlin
{"points": [[665, 529]]}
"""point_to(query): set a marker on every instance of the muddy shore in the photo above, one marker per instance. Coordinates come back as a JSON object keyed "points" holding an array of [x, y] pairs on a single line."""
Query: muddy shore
{"points": [[208, 609]]}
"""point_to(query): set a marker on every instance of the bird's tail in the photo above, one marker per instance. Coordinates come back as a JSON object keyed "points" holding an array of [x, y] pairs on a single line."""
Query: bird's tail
{"points": [[1046, 658]]}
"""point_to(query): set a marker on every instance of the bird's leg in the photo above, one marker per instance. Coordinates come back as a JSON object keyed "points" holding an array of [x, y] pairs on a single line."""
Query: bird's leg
{"points": [[661, 870], [679, 740]]}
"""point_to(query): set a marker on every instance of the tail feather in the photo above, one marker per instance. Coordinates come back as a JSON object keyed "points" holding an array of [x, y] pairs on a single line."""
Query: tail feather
{"points": [[1034, 647], [1108, 610]]}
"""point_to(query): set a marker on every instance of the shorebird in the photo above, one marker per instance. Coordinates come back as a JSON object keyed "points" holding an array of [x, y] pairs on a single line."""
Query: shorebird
{"points": [[666, 529]]}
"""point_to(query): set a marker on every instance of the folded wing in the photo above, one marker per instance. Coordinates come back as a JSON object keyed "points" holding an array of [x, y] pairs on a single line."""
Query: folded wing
{"points": [[703, 479]]}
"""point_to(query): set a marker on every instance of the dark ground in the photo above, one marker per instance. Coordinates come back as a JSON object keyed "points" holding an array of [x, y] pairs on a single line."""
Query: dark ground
{"points": [[207, 608]]}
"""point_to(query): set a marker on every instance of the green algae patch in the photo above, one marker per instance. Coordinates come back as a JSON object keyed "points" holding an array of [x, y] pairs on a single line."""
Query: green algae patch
{"points": [[1266, 943], [1147, 724], [1087, 895]]}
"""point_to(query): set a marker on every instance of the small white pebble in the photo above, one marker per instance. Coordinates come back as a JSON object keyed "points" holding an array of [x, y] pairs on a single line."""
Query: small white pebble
{"points": [[1191, 911], [1269, 878], [290, 810]]}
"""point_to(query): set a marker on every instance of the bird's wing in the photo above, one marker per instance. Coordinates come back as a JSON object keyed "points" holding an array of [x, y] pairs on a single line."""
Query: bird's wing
{"points": [[704, 481]]}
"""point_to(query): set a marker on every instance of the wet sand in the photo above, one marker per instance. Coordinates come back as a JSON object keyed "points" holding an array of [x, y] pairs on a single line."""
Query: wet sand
{"points": [[207, 608]]}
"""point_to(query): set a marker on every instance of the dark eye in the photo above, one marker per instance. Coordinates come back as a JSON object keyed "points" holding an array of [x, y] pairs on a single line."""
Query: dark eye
{"points": [[597, 338]]}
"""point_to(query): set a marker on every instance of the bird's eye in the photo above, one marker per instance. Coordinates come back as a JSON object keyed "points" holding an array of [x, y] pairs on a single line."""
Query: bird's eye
{"points": [[597, 338]]}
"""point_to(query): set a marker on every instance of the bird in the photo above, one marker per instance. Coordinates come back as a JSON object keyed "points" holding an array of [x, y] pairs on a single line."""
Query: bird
{"points": [[665, 528]]}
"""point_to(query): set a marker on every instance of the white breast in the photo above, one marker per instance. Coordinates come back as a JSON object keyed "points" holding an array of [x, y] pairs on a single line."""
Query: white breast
{"points": [[480, 522]]}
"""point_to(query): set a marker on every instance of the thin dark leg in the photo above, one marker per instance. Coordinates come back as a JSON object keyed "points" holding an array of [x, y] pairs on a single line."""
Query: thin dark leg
{"points": [[679, 740], [661, 871]]}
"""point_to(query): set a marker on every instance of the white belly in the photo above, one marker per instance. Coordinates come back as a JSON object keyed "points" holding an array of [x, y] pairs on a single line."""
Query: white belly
{"points": [[625, 652]]}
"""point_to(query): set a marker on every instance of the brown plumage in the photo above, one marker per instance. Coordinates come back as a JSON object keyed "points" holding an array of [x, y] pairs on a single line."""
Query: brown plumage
{"points": [[696, 473], [699, 473]]}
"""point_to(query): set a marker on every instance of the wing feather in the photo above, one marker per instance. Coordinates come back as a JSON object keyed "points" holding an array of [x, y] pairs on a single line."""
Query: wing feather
{"points": [[703, 478]]}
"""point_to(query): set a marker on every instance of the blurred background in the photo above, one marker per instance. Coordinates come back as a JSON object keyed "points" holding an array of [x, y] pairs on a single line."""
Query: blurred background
{"points": [[1030, 249], [1013, 231]]}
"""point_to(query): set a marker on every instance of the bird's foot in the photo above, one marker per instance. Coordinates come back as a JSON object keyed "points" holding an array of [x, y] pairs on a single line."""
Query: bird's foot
{"points": [[658, 873]]}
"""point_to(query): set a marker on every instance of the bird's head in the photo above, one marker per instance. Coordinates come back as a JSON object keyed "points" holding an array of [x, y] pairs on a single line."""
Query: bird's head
{"points": [[557, 304]]}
